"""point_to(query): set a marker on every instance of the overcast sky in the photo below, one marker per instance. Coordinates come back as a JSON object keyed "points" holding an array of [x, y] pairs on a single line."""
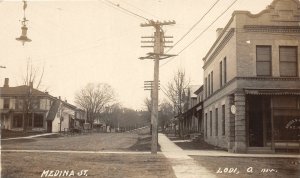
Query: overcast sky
{"points": [[79, 42]]}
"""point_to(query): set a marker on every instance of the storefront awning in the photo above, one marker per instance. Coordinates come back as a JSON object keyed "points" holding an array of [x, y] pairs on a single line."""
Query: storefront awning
{"points": [[272, 92]]}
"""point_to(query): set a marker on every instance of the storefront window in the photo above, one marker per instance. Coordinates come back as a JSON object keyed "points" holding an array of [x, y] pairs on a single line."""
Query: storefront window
{"points": [[286, 118]]}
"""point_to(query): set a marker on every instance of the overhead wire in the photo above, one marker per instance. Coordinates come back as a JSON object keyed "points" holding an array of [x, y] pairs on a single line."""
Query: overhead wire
{"points": [[202, 32], [142, 10], [126, 10], [194, 25]]}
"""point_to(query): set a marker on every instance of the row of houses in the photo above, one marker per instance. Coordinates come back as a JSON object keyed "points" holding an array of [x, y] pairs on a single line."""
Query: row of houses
{"points": [[250, 99], [25, 107]]}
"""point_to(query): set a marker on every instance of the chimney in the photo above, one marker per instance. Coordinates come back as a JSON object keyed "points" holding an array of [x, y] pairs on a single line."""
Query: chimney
{"points": [[59, 98], [6, 82], [219, 31]]}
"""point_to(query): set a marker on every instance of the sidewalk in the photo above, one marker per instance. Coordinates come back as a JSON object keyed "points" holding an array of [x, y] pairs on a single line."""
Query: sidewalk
{"points": [[227, 154], [182, 164], [28, 137]]}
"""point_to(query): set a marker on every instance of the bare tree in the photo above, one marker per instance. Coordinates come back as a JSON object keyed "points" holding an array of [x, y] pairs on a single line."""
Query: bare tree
{"points": [[176, 93], [33, 75], [93, 98], [32, 79], [148, 105], [166, 113]]}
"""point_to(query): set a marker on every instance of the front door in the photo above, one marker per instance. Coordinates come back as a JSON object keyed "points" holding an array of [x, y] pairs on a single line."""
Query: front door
{"points": [[259, 121], [49, 126]]}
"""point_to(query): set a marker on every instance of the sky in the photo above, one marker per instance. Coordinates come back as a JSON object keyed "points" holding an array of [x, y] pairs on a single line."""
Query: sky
{"points": [[81, 42]]}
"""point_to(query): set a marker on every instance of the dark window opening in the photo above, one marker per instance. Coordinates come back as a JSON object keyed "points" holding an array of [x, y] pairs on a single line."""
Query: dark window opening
{"points": [[38, 120], [6, 103], [210, 118], [225, 70], [216, 124], [18, 120], [206, 128], [205, 87], [212, 82], [221, 76], [223, 119], [209, 84]]}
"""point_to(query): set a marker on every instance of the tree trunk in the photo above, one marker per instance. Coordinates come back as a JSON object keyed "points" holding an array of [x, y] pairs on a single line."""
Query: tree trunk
{"points": [[180, 128]]}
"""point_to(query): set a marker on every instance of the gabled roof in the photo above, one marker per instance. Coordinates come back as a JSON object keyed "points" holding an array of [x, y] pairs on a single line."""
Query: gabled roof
{"points": [[53, 110], [19, 91]]}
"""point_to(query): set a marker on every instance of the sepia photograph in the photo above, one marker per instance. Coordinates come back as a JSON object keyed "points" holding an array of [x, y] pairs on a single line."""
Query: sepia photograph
{"points": [[150, 88]]}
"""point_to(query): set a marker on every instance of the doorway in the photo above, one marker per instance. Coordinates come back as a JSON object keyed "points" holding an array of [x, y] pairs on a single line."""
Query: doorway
{"points": [[259, 120], [49, 126]]}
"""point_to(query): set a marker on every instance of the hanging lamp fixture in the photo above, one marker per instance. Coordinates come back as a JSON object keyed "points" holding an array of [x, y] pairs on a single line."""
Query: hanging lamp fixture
{"points": [[23, 38]]}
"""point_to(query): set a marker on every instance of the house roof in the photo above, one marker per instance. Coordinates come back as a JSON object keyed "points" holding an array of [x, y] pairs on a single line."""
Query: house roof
{"points": [[53, 110], [193, 89], [199, 90], [19, 91]]}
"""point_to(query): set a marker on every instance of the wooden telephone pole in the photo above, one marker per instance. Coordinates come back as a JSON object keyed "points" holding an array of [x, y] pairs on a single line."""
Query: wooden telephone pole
{"points": [[148, 85], [158, 54]]}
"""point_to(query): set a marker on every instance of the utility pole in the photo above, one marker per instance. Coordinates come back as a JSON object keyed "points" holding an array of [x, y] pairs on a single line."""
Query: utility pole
{"points": [[148, 85], [158, 54]]}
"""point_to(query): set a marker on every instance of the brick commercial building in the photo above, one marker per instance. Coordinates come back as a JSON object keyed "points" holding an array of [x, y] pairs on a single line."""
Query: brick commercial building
{"points": [[251, 81]]}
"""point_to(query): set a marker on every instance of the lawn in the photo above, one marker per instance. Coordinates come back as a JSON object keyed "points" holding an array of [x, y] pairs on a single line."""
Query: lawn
{"points": [[86, 142], [114, 165], [97, 165]]}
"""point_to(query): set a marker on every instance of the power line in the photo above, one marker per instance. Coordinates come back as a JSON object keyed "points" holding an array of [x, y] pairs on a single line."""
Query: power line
{"points": [[208, 27], [140, 9], [112, 6], [202, 32], [194, 25], [128, 11]]}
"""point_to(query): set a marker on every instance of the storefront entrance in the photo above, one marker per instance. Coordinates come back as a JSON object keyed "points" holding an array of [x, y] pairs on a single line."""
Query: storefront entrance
{"points": [[259, 119], [273, 121]]}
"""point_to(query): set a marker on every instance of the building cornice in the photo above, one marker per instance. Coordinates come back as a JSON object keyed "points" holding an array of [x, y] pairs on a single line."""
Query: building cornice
{"points": [[252, 78], [220, 46], [270, 78], [272, 28]]}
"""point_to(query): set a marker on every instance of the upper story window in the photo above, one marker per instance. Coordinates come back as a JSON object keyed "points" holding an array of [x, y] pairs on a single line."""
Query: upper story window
{"points": [[208, 84], [223, 72], [205, 87], [212, 82], [36, 103], [263, 60], [288, 61], [19, 103], [6, 103]]}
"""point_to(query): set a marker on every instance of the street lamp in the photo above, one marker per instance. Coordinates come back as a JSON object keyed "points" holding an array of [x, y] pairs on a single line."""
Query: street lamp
{"points": [[23, 38]]}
